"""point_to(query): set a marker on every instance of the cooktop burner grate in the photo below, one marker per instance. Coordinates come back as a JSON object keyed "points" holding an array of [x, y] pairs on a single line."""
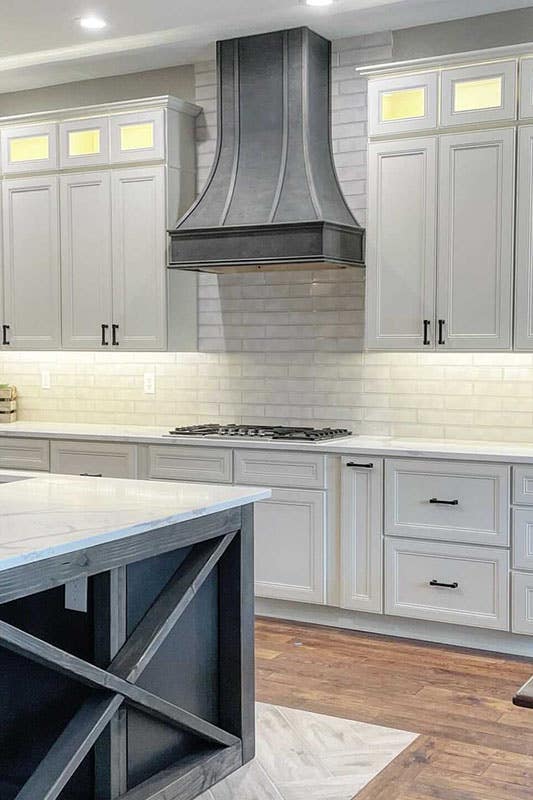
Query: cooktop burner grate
{"points": [[263, 432]]}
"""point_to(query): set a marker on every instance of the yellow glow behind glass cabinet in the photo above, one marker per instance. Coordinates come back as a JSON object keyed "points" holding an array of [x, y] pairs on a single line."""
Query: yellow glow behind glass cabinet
{"points": [[403, 104], [477, 94], [138, 136], [29, 148], [83, 143]]}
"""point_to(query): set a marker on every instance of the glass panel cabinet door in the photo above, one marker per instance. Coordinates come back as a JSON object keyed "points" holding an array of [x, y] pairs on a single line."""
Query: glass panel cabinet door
{"points": [[526, 88], [84, 142], [29, 148], [139, 136], [480, 93], [402, 104]]}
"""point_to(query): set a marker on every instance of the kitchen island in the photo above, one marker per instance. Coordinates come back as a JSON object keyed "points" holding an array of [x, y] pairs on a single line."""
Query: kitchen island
{"points": [[126, 637]]}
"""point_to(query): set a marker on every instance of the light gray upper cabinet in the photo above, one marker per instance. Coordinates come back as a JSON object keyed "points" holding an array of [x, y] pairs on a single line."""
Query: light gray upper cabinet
{"points": [[479, 93], [29, 148], [401, 246], [139, 258], [31, 263], [86, 264], [523, 335], [526, 89], [402, 104], [475, 242], [138, 136], [84, 142]]}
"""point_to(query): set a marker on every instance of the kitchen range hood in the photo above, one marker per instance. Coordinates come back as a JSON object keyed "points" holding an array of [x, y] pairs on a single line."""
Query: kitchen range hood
{"points": [[272, 200]]}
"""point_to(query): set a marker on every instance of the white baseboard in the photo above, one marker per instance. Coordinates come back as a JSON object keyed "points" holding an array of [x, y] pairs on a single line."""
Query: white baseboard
{"points": [[438, 632]]}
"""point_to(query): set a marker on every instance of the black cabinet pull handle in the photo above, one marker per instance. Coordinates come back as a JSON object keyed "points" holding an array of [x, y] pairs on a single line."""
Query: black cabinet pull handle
{"points": [[453, 585], [353, 464], [90, 475], [105, 328], [442, 323], [427, 323], [444, 502], [5, 329], [114, 338]]}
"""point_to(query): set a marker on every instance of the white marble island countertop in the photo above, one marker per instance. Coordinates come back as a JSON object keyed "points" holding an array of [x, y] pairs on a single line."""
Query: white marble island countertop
{"points": [[57, 514]]}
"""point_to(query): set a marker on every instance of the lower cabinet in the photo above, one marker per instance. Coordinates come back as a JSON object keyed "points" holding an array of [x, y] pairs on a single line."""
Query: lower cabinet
{"points": [[361, 534], [443, 582], [99, 459], [522, 598], [290, 546]]}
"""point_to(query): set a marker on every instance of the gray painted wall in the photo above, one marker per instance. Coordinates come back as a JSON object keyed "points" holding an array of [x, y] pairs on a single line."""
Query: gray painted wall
{"points": [[460, 35], [178, 81]]}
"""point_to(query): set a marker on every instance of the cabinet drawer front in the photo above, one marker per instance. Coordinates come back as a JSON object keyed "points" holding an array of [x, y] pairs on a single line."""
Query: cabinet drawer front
{"points": [[290, 534], [522, 594], [470, 584], [109, 460], [523, 538], [402, 104], [523, 485], [479, 93], [451, 501], [274, 468], [32, 454], [197, 464]]}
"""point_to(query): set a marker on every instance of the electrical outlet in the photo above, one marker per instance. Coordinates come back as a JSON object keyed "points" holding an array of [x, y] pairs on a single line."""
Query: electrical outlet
{"points": [[45, 379], [149, 383]]}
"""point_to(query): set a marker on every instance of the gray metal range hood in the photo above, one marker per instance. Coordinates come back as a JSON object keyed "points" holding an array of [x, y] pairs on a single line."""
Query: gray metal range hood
{"points": [[272, 200]]}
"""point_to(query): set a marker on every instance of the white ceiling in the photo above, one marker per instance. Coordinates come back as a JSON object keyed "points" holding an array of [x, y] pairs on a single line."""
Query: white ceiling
{"points": [[42, 43]]}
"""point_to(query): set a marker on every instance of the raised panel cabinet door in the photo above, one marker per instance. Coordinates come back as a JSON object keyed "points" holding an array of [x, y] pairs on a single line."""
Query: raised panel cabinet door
{"points": [[402, 104], [86, 260], [522, 603], [401, 245], [31, 263], [361, 534], [290, 546], [523, 320], [475, 241], [139, 259]]}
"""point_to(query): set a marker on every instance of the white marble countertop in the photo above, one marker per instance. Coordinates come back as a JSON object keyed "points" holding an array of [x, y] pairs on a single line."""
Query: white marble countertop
{"points": [[56, 514], [508, 452]]}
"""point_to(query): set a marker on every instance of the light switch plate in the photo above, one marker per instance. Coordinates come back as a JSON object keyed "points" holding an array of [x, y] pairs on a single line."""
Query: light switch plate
{"points": [[149, 383]]}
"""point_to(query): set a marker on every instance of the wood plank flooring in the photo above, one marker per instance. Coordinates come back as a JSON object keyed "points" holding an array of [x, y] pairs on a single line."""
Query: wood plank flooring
{"points": [[474, 744]]}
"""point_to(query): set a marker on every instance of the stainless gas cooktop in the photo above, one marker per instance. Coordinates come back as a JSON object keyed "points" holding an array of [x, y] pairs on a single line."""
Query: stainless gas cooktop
{"points": [[262, 432]]}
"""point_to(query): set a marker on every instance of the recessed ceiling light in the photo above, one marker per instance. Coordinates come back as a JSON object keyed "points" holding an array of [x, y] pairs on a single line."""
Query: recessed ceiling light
{"points": [[93, 23], [318, 2]]}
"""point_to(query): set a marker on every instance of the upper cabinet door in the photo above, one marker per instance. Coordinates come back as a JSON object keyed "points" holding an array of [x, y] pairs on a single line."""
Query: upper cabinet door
{"points": [[402, 104], [31, 262], [86, 260], [479, 93], [526, 89], [401, 245], [139, 259], [84, 142], [138, 136], [475, 243], [29, 148], [523, 339]]}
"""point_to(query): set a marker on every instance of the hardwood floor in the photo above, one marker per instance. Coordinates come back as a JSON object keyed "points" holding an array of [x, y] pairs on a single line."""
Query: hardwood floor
{"points": [[474, 744]]}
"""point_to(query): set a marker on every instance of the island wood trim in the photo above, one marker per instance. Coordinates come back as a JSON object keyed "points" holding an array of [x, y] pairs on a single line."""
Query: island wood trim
{"points": [[37, 576], [83, 731]]}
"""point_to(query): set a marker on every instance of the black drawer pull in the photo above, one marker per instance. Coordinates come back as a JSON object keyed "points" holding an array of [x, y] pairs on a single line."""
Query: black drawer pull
{"points": [[5, 329], [442, 323], [453, 585], [114, 330], [91, 475], [353, 464], [105, 328], [427, 323], [444, 502]]}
